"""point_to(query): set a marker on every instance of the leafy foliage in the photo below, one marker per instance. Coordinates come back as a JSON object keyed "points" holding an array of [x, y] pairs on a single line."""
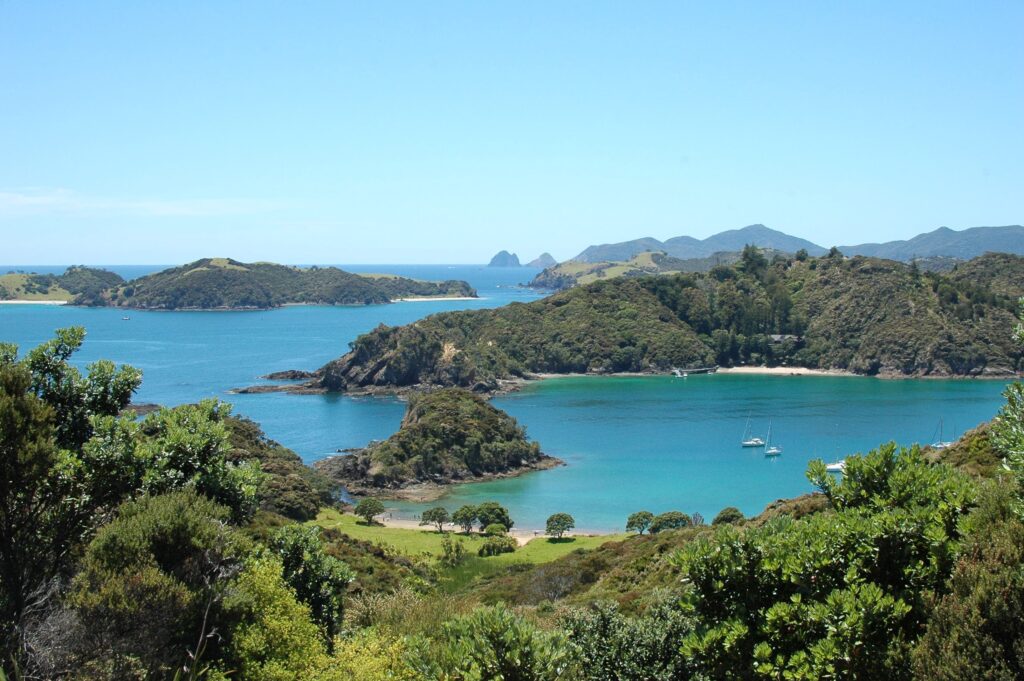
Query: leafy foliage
{"points": [[435, 516], [639, 522], [558, 524], [493, 513], [368, 509], [728, 516], [839, 594], [497, 544], [318, 579], [670, 520], [492, 643]]}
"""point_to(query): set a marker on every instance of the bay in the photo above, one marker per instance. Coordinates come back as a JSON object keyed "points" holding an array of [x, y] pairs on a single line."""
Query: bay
{"points": [[630, 443]]}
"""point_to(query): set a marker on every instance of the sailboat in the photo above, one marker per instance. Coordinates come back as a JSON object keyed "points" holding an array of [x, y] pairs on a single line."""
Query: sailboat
{"points": [[940, 443], [749, 441], [769, 448]]}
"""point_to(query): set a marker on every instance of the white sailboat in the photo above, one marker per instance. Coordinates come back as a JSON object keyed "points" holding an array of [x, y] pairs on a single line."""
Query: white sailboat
{"points": [[769, 448], [940, 443], [748, 440]]}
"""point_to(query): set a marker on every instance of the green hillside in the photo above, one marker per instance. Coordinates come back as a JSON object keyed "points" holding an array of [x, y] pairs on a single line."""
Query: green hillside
{"points": [[863, 315], [222, 283]]}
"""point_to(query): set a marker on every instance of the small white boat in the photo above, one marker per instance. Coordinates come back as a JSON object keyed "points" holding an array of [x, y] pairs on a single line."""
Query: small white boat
{"points": [[748, 440], [769, 448], [940, 443], [679, 373], [125, 319], [837, 467]]}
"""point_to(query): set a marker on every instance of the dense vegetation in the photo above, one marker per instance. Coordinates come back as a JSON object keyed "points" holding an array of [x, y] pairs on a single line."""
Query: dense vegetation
{"points": [[446, 435], [860, 314], [146, 549], [214, 283]]}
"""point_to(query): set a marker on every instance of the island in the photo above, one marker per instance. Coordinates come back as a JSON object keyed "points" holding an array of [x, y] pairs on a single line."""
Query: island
{"points": [[861, 315], [504, 259], [543, 261], [226, 284], [447, 436]]}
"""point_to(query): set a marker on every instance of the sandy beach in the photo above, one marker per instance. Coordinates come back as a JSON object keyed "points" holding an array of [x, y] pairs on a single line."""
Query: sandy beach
{"points": [[434, 299], [784, 371]]}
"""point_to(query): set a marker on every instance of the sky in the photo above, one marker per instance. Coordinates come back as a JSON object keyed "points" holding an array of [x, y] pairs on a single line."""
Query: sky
{"points": [[442, 132]]}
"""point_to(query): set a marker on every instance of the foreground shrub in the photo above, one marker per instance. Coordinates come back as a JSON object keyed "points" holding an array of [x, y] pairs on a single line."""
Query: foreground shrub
{"points": [[494, 546]]}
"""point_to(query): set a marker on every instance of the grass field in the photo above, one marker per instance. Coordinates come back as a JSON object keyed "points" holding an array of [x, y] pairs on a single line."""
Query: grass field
{"points": [[418, 542], [13, 288]]}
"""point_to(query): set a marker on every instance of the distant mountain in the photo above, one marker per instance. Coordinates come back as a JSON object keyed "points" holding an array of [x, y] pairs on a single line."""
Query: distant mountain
{"points": [[504, 259], [965, 244], [687, 247], [543, 261]]}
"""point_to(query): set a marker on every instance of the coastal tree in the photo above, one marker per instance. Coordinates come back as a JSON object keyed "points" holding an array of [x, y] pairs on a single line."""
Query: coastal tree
{"points": [[465, 517], [495, 530], [491, 512], [559, 523], [639, 522], [728, 516], [670, 520], [318, 579], [435, 516], [369, 508]]}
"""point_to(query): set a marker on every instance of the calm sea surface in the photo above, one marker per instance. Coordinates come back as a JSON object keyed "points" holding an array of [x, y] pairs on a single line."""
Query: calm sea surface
{"points": [[657, 443]]}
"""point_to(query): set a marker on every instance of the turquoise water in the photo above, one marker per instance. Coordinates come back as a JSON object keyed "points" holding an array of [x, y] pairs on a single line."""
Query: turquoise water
{"points": [[658, 443]]}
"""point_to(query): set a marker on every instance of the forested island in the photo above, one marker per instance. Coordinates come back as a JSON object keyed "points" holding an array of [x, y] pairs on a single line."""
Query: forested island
{"points": [[449, 435], [226, 284], [861, 315]]}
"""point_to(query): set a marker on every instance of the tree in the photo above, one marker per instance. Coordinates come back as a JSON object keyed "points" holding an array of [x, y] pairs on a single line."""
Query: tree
{"points": [[495, 530], [465, 518], [435, 516], [491, 512], [152, 582], [42, 519], [639, 522], [104, 391], [368, 508], [492, 643], [670, 520], [560, 523], [728, 516], [318, 579], [802, 254]]}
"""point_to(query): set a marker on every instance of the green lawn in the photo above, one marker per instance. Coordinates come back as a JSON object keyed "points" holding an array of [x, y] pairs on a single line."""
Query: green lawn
{"points": [[418, 542]]}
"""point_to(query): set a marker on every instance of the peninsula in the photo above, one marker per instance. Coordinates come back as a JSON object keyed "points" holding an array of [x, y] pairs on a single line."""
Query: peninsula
{"points": [[862, 315], [447, 436]]}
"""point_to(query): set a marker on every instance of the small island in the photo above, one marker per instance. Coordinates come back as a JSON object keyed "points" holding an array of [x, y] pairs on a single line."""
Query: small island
{"points": [[447, 436], [225, 284], [504, 259]]}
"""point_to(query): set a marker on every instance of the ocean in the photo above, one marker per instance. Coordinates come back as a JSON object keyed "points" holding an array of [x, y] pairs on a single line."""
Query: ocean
{"points": [[630, 443]]}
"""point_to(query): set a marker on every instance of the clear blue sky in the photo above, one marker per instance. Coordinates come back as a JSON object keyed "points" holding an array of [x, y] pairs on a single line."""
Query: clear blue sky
{"points": [[137, 132]]}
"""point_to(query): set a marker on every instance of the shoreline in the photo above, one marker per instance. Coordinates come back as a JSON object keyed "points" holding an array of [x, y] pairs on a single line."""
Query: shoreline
{"points": [[425, 492], [34, 302], [785, 371], [428, 299]]}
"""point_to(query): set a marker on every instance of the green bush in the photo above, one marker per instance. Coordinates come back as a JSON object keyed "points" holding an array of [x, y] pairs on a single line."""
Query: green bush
{"points": [[493, 546]]}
